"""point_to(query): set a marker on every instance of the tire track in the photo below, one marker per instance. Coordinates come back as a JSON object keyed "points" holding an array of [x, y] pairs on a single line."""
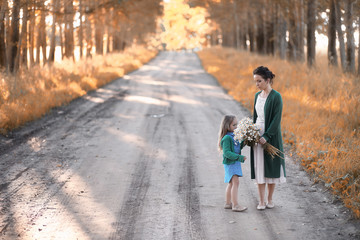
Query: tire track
{"points": [[187, 190], [131, 210], [136, 193]]}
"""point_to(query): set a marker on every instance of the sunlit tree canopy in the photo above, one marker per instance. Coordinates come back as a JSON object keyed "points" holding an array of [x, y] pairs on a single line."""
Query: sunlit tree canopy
{"points": [[185, 27]]}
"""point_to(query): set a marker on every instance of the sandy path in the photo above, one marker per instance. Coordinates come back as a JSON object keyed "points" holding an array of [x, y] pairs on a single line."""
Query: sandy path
{"points": [[137, 159]]}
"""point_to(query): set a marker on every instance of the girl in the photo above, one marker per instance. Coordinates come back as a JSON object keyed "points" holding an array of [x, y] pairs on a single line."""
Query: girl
{"points": [[267, 116], [231, 159]]}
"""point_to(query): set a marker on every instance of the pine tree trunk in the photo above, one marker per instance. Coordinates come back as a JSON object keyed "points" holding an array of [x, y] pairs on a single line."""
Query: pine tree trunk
{"points": [[293, 34], [108, 39], [260, 33], [3, 8], [69, 29], [359, 47], [276, 28], [42, 32], [300, 30], [332, 56], [24, 35], [53, 31], [15, 34], [270, 31], [109, 30], [282, 36], [251, 38], [265, 29], [38, 43], [99, 33], [8, 35], [244, 35], [237, 25], [32, 34], [62, 45], [340, 35], [350, 42], [311, 25], [89, 38], [81, 28]]}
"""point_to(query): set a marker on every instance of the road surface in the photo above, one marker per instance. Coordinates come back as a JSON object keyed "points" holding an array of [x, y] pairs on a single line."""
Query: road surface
{"points": [[138, 159]]}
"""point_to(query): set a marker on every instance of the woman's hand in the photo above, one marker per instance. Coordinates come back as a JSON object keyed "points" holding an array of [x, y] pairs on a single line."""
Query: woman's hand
{"points": [[262, 140]]}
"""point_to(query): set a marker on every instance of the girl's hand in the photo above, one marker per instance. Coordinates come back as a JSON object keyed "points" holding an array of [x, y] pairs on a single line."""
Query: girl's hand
{"points": [[244, 158], [262, 140]]}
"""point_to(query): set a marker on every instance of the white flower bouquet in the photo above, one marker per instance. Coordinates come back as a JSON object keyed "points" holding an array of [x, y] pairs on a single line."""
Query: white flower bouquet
{"points": [[248, 132]]}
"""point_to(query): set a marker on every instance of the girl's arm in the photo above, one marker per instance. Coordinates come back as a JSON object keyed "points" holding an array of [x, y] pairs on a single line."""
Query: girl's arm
{"points": [[226, 144]]}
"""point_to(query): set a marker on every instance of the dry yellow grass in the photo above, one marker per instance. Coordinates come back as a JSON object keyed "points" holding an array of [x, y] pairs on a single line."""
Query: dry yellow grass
{"points": [[321, 114], [31, 93]]}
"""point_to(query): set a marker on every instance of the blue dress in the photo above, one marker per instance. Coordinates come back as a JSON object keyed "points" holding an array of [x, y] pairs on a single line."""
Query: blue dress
{"points": [[235, 168]]}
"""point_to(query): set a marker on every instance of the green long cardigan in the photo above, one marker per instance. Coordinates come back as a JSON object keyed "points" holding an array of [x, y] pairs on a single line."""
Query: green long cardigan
{"points": [[272, 134], [229, 155]]}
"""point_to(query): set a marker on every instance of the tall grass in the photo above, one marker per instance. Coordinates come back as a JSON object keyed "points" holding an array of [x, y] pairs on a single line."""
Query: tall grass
{"points": [[321, 113], [31, 93]]}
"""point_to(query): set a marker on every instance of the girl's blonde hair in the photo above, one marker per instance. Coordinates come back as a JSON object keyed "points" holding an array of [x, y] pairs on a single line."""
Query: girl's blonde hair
{"points": [[224, 128]]}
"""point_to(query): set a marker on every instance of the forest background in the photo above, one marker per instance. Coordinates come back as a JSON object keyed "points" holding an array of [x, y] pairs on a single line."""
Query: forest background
{"points": [[53, 51]]}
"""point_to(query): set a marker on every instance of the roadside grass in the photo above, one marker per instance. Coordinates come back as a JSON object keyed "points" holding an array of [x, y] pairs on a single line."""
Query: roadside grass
{"points": [[321, 113], [31, 93]]}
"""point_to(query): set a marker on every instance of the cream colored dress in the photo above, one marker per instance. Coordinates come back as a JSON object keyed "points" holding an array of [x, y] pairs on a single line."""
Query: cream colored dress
{"points": [[259, 151]]}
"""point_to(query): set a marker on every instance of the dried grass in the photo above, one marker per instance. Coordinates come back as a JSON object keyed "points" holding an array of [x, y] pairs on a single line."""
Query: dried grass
{"points": [[31, 93], [321, 114]]}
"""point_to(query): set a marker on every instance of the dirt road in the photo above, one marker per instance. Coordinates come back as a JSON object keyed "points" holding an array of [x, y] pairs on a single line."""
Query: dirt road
{"points": [[137, 159]]}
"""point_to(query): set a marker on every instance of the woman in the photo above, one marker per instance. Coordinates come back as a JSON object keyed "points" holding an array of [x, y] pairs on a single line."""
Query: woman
{"points": [[267, 116]]}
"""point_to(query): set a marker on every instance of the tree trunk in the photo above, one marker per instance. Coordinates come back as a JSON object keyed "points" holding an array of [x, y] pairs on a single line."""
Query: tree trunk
{"points": [[62, 44], [69, 29], [270, 30], [340, 35], [8, 35], [15, 34], [53, 31], [38, 40], [260, 33], [3, 8], [282, 36], [332, 56], [81, 28], [300, 30], [293, 34], [359, 47], [244, 34], [110, 30], [311, 25], [42, 32], [237, 25], [89, 38], [251, 34], [99, 45], [350, 42], [275, 28], [24, 35], [32, 34], [265, 27]]}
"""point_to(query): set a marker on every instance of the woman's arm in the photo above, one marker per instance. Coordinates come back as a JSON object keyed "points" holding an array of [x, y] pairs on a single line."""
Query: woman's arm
{"points": [[275, 118]]}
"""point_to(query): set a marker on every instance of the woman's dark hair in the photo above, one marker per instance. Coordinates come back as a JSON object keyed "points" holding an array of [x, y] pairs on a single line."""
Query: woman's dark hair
{"points": [[264, 72]]}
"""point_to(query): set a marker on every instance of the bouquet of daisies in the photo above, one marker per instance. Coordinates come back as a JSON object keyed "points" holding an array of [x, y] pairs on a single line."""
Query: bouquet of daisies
{"points": [[248, 132]]}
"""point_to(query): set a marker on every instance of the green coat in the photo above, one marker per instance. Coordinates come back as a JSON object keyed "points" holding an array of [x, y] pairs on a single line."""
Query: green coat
{"points": [[272, 134], [229, 155]]}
